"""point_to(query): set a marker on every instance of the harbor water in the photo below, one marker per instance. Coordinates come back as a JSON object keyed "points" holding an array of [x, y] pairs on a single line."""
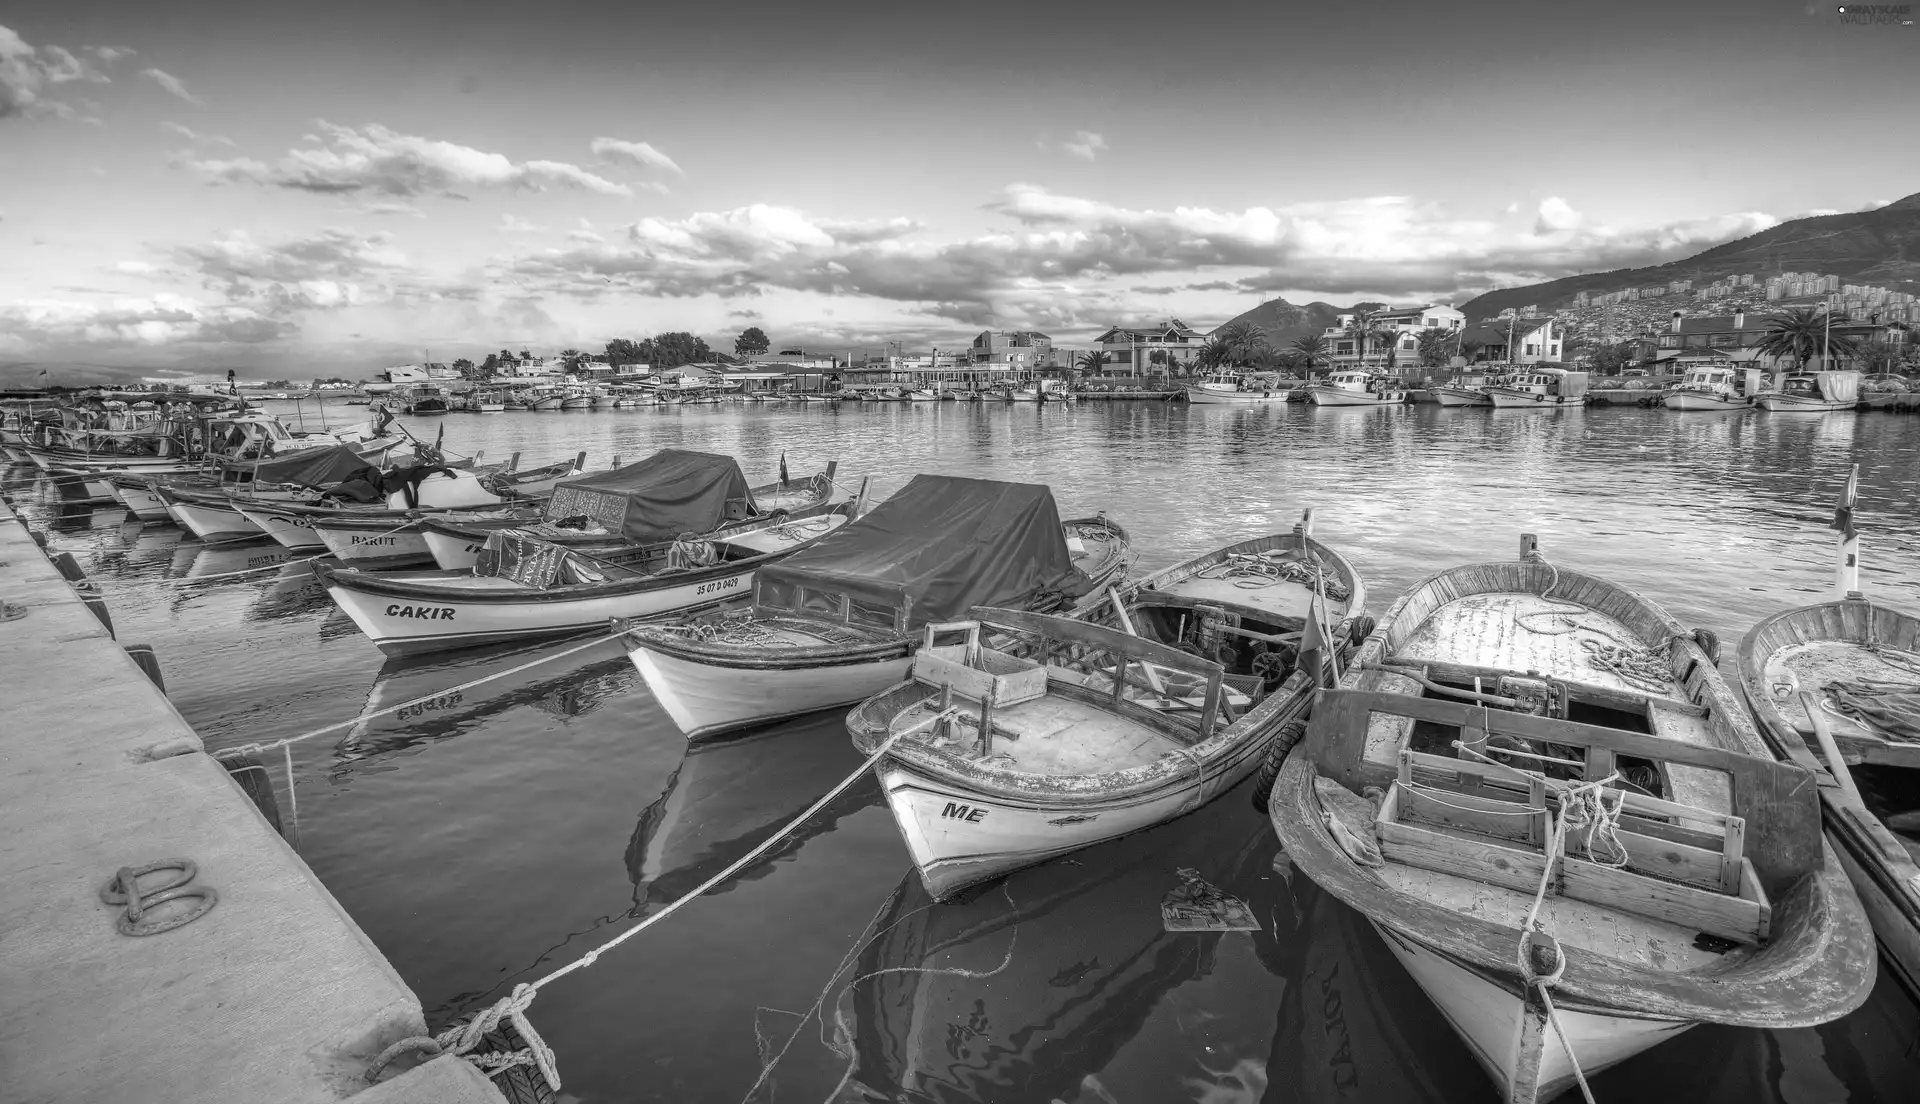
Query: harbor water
{"points": [[492, 833]]}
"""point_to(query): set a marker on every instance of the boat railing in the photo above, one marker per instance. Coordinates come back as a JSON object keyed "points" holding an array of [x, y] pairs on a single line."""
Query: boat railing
{"points": [[1102, 659]]}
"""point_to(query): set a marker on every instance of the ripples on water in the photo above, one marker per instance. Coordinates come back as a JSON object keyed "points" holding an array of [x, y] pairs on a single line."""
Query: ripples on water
{"points": [[491, 834]]}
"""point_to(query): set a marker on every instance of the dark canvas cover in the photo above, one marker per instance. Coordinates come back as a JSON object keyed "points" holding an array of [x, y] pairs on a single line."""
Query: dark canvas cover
{"points": [[946, 544], [319, 468], [672, 492]]}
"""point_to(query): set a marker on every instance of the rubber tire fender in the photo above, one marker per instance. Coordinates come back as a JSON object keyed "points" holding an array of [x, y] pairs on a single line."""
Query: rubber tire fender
{"points": [[1268, 772]]}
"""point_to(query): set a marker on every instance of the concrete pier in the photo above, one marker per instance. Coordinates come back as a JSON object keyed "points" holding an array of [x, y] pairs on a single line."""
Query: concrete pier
{"points": [[274, 995]]}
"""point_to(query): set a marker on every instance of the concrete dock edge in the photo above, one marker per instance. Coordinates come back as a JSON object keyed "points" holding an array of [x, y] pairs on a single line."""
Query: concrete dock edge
{"points": [[273, 995]]}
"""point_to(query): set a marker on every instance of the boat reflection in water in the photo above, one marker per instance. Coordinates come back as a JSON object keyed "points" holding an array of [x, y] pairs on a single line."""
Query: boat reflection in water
{"points": [[730, 794], [1027, 988], [564, 688]]}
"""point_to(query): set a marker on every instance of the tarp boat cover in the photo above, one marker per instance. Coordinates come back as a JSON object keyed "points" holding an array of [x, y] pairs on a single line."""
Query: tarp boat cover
{"points": [[319, 468], [1840, 386], [935, 550], [674, 491]]}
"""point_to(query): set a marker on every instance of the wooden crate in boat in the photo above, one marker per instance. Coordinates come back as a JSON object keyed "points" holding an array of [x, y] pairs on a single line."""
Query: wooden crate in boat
{"points": [[978, 673], [1684, 865]]}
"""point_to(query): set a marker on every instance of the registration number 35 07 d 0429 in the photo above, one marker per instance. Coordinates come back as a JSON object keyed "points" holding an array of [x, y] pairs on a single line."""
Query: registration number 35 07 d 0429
{"points": [[718, 585]]}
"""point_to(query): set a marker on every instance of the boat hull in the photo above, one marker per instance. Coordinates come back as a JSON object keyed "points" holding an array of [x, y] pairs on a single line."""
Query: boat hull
{"points": [[1795, 404], [1704, 400], [452, 551], [709, 698], [1320, 395], [959, 836], [142, 501], [389, 544], [441, 618], [294, 531], [1459, 396], [212, 523], [1528, 400], [1510, 1036], [1233, 398]]}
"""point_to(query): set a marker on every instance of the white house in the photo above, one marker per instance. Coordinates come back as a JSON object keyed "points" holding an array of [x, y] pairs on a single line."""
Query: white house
{"points": [[1405, 327], [1130, 351]]}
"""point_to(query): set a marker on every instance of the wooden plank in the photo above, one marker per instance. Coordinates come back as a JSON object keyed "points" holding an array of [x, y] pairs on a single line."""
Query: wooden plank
{"points": [[1733, 918], [1626, 701], [1453, 810], [1732, 855], [1507, 867], [1697, 866]]}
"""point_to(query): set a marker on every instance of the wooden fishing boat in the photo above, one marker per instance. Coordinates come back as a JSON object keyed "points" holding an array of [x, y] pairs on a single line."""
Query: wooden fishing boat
{"points": [[1813, 393], [1466, 389], [297, 523], [1009, 755], [1232, 388], [1681, 879], [454, 543], [1536, 388], [1356, 388], [526, 587], [1714, 387], [839, 623], [1846, 674]]}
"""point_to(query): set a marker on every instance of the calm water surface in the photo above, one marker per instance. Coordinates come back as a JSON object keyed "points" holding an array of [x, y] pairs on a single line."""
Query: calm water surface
{"points": [[494, 833]]}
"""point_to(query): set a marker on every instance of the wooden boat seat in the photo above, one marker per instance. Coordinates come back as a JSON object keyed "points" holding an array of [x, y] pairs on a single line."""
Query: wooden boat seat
{"points": [[1283, 601], [1048, 736]]}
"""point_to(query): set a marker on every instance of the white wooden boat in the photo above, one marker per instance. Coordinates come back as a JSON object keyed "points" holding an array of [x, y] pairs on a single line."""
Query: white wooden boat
{"points": [[535, 589], [919, 394], [1448, 394], [1704, 893], [1847, 673], [1232, 388], [840, 622], [1714, 387], [1813, 393], [139, 497], [303, 525], [1537, 388], [1356, 388], [999, 761]]}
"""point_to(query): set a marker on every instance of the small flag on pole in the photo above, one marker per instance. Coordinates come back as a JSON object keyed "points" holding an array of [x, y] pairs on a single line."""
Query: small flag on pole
{"points": [[783, 469], [1843, 517]]}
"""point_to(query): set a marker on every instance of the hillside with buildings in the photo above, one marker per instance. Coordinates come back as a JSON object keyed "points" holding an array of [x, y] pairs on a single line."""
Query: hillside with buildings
{"points": [[1874, 251]]}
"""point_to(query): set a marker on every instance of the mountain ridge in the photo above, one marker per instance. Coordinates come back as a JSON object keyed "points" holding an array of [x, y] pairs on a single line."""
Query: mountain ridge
{"points": [[1881, 246]]}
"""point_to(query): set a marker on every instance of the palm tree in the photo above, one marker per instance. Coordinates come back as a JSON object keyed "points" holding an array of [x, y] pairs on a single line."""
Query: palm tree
{"points": [[1091, 362], [1361, 329], [1433, 344], [1804, 333], [1244, 341], [1310, 352], [1214, 354]]}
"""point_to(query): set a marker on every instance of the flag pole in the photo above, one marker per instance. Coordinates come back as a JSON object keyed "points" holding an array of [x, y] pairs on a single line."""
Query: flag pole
{"points": [[1847, 563]]}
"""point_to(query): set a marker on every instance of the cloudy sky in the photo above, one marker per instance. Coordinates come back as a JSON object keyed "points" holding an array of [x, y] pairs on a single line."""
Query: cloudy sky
{"points": [[345, 185]]}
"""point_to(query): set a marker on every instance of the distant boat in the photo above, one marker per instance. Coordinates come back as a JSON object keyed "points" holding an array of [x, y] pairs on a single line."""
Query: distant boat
{"points": [[1232, 388], [1714, 387], [1356, 388], [1814, 393], [1540, 389]]}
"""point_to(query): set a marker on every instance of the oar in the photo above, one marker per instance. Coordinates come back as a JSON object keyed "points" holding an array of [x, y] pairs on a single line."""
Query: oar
{"points": [[1823, 732]]}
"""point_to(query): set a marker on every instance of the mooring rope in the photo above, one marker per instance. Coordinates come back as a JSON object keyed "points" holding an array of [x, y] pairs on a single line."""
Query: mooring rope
{"points": [[1581, 805], [1631, 662], [1256, 571]]}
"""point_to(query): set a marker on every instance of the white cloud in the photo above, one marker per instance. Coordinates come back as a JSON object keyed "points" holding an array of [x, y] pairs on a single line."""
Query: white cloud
{"points": [[1555, 215], [346, 160], [158, 320], [619, 151], [108, 54], [510, 224], [193, 135], [174, 85], [136, 268], [1513, 208], [1085, 145], [25, 71]]}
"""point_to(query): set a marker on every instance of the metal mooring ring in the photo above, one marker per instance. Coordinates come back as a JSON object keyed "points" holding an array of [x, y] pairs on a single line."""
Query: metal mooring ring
{"points": [[148, 925], [113, 894]]}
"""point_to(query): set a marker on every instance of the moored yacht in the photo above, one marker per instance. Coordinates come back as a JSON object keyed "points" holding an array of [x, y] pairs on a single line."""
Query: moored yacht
{"points": [[1538, 388], [1354, 387], [1228, 386]]}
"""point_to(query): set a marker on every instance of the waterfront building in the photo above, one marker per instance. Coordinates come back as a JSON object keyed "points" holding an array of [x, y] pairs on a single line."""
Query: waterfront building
{"points": [[1130, 350], [1018, 350], [1534, 341], [1405, 325]]}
